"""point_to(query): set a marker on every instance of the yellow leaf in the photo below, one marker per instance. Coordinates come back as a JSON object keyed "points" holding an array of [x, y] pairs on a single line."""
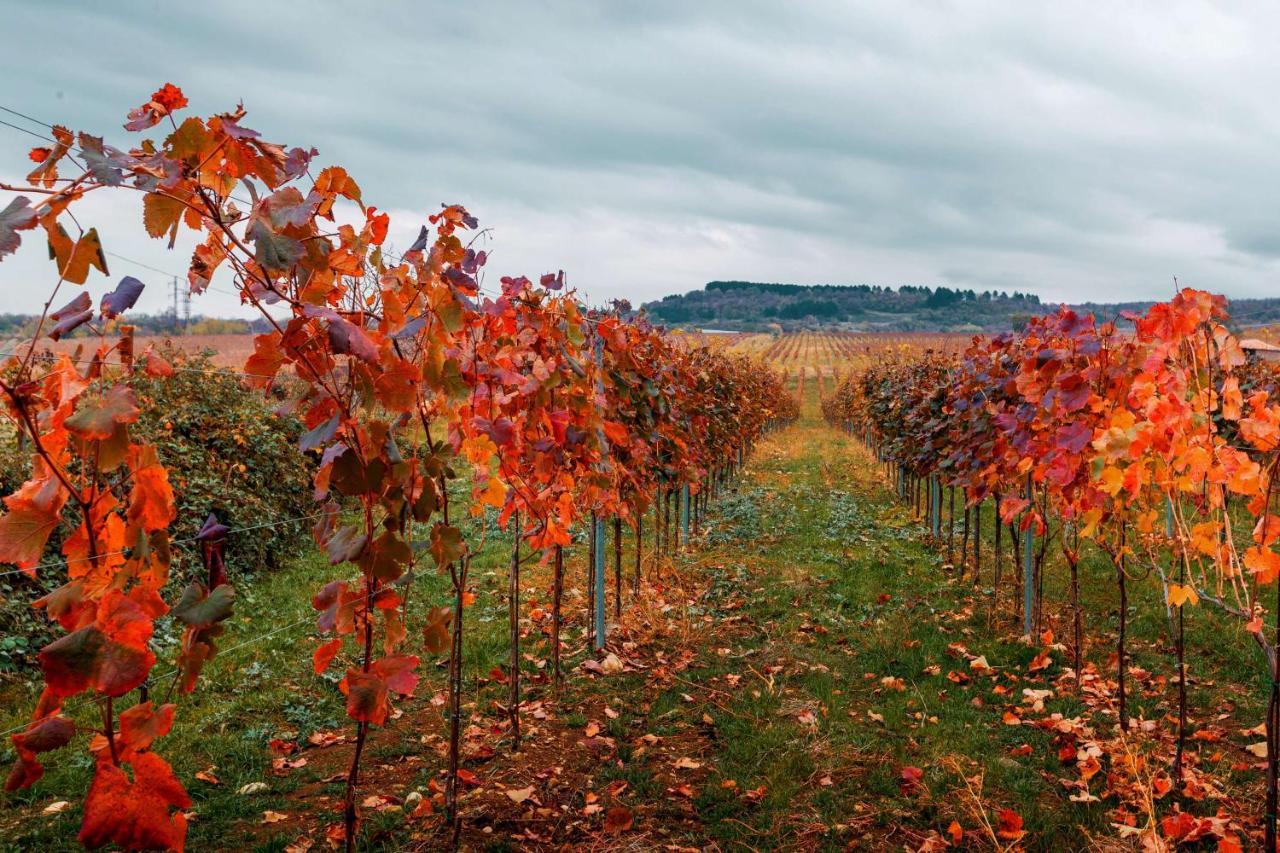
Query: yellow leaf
{"points": [[479, 449], [494, 494], [1091, 519], [1179, 595], [1110, 480]]}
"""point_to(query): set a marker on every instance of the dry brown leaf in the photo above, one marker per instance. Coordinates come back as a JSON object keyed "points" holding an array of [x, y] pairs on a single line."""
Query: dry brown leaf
{"points": [[519, 795]]}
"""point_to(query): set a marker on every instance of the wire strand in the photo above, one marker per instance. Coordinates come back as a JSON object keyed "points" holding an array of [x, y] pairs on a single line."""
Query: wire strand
{"points": [[217, 371], [223, 653], [52, 563], [12, 111]]}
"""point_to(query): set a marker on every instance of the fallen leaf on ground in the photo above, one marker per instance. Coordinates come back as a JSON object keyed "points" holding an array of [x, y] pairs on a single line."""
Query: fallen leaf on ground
{"points": [[519, 795], [618, 819]]}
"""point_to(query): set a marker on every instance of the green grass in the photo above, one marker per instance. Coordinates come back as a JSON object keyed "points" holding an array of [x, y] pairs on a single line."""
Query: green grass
{"points": [[823, 545], [261, 687], [795, 565]]}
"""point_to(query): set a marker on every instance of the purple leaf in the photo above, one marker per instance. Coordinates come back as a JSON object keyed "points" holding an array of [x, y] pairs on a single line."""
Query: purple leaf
{"points": [[212, 529], [17, 216], [321, 434], [288, 207], [421, 243], [472, 261], [411, 328], [75, 313], [234, 130], [122, 298], [107, 164], [273, 251], [298, 161], [347, 338], [333, 452]]}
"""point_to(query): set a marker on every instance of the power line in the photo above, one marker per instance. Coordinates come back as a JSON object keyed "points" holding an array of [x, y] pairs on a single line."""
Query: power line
{"points": [[169, 273], [399, 258], [217, 371], [52, 563], [97, 700], [588, 320], [26, 130], [12, 111], [257, 638]]}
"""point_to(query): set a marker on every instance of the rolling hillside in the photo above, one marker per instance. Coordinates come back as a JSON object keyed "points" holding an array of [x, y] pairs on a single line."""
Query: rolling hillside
{"points": [[755, 306]]}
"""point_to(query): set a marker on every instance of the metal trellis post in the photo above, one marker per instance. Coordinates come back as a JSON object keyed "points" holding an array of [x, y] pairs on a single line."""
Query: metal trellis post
{"points": [[1028, 568], [684, 513]]}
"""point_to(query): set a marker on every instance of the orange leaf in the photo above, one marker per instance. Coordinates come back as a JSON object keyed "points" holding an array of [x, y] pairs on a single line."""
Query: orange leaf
{"points": [[87, 253], [1264, 563], [618, 819], [24, 531], [324, 654], [1010, 827], [135, 814]]}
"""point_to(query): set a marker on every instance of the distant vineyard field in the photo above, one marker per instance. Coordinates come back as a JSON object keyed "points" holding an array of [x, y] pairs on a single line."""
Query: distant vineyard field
{"points": [[827, 355]]}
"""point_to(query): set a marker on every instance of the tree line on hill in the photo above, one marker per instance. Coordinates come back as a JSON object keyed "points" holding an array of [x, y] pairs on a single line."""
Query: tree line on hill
{"points": [[759, 306]]}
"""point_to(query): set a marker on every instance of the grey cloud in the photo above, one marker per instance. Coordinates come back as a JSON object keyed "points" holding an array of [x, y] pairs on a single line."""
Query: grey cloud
{"points": [[1085, 152]]}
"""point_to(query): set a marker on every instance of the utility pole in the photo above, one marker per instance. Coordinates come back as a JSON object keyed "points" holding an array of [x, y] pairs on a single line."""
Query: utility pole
{"points": [[174, 309]]}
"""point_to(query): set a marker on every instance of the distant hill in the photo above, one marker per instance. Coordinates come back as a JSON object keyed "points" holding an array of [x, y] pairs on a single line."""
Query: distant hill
{"points": [[757, 306]]}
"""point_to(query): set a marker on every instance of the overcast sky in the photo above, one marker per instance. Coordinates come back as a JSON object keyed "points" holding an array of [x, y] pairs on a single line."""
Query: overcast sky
{"points": [[647, 148]]}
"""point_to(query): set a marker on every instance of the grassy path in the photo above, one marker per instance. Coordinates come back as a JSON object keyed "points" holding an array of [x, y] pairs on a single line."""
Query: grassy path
{"points": [[832, 679], [843, 688]]}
